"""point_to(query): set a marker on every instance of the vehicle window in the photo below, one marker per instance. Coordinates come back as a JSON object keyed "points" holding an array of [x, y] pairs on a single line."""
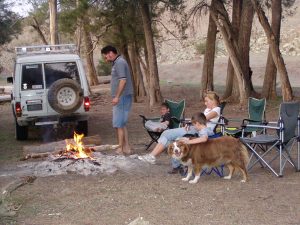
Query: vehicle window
{"points": [[56, 71], [32, 77]]}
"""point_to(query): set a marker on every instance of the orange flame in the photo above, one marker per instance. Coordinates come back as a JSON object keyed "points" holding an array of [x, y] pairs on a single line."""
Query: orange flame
{"points": [[77, 147]]}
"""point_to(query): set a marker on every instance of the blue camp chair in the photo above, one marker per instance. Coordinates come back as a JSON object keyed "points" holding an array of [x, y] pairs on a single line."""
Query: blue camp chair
{"points": [[266, 148], [218, 130]]}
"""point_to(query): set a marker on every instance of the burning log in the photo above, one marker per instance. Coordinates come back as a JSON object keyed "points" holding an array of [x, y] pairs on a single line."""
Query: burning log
{"points": [[59, 146], [71, 148], [7, 208], [40, 155], [101, 148], [89, 148]]}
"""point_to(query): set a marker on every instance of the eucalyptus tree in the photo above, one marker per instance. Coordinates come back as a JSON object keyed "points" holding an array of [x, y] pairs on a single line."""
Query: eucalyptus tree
{"points": [[53, 22], [278, 60], [236, 35], [76, 19], [10, 24], [220, 17], [132, 26], [278, 9], [38, 19]]}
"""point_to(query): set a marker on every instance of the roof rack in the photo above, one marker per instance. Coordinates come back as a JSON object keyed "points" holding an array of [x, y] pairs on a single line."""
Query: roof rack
{"points": [[46, 49]]}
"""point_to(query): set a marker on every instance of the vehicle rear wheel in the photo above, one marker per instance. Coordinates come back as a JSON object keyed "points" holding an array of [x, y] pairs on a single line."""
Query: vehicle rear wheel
{"points": [[82, 127], [65, 96], [21, 132]]}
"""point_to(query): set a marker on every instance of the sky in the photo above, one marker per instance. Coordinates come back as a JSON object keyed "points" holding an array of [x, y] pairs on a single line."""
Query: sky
{"points": [[20, 6]]}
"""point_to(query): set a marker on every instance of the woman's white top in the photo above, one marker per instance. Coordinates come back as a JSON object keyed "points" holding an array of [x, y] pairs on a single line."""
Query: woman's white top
{"points": [[212, 122]]}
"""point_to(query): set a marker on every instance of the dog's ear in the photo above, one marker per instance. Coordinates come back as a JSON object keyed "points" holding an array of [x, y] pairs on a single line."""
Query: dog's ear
{"points": [[185, 148], [170, 149]]}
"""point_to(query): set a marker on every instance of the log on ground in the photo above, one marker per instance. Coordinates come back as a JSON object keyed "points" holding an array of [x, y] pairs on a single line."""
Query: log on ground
{"points": [[58, 145]]}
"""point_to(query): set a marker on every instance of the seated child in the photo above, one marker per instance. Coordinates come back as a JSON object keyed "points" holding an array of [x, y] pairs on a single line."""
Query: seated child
{"points": [[164, 122], [199, 123]]}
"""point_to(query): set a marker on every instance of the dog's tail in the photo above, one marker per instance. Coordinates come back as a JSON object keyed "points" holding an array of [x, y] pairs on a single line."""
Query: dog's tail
{"points": [[244, 154]]}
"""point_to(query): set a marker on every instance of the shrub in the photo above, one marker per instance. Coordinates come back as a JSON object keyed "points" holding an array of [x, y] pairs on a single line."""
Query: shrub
{"points": [[103, 68], [201, 47]]}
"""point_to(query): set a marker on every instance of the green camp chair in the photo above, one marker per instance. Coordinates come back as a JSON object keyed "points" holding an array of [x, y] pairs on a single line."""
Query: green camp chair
{"points": [[266, 149], [256, 113], [177, 114]]}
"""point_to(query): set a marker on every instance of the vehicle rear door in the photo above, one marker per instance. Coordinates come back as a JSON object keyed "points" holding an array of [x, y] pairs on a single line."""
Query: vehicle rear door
{"points": [[32, 90]]}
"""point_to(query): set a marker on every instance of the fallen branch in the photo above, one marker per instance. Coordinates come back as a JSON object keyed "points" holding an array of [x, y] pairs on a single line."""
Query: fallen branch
{"points": [[7, 208], [60, 150], [59, 145], [100, 148], [40, 155]]}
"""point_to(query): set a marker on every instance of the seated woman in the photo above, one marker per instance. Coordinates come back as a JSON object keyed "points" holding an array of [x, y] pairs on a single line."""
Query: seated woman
{"points": [[212, 114]]}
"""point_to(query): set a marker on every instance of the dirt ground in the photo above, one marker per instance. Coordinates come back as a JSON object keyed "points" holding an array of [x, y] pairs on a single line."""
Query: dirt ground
{"points": [[153, 194]]}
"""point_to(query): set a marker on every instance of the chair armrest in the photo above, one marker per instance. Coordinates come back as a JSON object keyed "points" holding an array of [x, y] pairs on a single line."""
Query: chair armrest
{"points": [[234, 120], [260, 126], [186, 121], [272, 122], [262, 122], [174, 118], [146, 119]]}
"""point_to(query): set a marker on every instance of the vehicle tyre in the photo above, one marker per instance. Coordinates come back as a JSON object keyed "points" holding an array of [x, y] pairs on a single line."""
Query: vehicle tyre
{"points": [[65, 96], [21, 132], [82, 127]]}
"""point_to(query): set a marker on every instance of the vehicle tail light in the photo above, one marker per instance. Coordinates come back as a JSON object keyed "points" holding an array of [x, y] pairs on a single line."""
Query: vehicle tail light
{"points": [[18, 109], [86, 103]]}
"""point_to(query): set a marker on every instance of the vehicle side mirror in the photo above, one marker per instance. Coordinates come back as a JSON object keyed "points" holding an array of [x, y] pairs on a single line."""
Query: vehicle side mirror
{"points": [[9, 80]]}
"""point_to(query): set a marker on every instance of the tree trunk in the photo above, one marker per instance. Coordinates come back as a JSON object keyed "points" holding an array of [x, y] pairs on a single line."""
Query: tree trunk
{"points": [[207, 82], [230, 91], [232, 50], [244, 45], [286, 88], [269, 85], [88, 52], [53, 22], [154, 88], [145, 74], [126, 54], [136, 71], [78, 32], [37, 27]]}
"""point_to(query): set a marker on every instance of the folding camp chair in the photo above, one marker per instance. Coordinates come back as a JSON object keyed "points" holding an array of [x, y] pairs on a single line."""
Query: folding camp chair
{"points": [[176, 111], [220, 126], [256, 115], [218, 133], [282, 143]]}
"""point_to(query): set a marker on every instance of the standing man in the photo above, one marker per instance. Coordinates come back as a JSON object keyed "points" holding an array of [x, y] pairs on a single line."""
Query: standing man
{"points": [[121, 91]]}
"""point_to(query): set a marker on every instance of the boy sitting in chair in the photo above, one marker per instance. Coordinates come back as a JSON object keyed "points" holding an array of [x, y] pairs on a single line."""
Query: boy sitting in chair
{"points": [[163, 123]]}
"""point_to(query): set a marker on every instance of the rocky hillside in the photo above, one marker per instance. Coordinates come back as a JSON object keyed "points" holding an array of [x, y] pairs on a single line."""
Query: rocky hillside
{"points": [[172, 50], [175, 51]]}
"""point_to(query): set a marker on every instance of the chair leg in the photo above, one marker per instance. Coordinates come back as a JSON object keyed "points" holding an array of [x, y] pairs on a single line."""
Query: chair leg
{"points": [[260, 158], [149, 145], [280, 162], [298, 155]]}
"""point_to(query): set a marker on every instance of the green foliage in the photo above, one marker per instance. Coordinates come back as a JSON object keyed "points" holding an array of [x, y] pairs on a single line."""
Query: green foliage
{"points": [[40, 11], [10, 24], [201, 47], [103, 68]]}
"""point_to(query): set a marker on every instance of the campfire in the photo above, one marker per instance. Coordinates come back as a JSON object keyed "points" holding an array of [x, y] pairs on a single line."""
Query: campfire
{"points": [[79, 155], [75, 149]]}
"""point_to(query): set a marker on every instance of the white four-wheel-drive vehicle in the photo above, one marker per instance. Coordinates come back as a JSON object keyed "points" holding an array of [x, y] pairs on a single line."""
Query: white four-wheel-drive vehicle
{"points": [[49, 88]]}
